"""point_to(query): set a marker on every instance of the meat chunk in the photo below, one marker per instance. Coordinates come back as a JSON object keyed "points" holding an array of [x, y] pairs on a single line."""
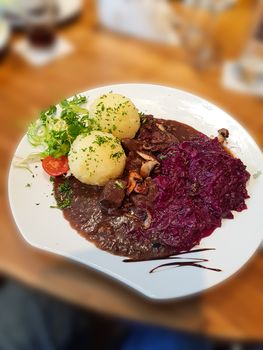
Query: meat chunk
{"points": [[154, 135], [132, 144], [133, 163], [113, 194], [144, 198]]}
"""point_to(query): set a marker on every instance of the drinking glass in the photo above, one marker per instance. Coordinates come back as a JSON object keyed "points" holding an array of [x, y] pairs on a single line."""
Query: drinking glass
{"points": [[40, 18], [197, 28]]}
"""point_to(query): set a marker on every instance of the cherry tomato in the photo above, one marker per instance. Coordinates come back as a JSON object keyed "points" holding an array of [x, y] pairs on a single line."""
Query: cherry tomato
{"points": [[55, 166]]}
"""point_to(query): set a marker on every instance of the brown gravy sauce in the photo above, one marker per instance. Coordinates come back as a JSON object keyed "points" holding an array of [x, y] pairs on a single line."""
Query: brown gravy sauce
{"points": [[111, 231]]}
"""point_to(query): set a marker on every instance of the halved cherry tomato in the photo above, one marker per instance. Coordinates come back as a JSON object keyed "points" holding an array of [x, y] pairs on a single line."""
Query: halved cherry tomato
{"points": [[55, 166]]}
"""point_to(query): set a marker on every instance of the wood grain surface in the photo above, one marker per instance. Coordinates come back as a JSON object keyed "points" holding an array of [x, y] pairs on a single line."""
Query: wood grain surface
{"points": [[232, 310]]}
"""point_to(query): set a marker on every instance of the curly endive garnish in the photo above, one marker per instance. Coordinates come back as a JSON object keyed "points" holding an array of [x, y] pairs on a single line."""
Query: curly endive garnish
{"points": [[24, 163]]}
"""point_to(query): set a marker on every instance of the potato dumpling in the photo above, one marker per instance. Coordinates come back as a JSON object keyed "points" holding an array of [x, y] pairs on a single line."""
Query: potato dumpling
{"points": [[96, 158], [116, 114]]}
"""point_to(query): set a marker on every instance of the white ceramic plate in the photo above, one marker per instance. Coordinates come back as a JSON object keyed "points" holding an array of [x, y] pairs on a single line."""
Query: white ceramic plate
{"points": [[235, 241]]}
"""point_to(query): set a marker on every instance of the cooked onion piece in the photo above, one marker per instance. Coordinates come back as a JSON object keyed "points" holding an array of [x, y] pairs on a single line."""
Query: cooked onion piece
{"points": [[116, 114], [96, 158]]}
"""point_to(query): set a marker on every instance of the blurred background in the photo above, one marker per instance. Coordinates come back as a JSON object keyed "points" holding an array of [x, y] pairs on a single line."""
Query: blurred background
{"points": [[52, 49]]}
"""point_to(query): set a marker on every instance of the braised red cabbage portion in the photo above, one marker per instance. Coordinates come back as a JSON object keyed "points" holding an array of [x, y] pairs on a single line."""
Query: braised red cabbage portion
{"points": [[199, 184]]}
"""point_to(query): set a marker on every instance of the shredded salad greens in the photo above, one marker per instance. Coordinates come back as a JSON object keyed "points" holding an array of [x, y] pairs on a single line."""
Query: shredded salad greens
{"points": [[56, 131]]}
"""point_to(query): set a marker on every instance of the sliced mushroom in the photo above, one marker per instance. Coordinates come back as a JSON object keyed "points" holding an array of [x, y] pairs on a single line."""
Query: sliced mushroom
{"points": [[147, 147], [132, 181], [147, 167], [160, 127], [223, 134], [145, 156]]}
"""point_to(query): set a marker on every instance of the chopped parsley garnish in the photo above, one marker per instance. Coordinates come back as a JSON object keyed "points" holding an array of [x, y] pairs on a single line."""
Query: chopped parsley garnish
{"points": [[100, 140], [162, 157], [143, 119], [117, 155], [64, 204], [65, 195], [64, 187]]}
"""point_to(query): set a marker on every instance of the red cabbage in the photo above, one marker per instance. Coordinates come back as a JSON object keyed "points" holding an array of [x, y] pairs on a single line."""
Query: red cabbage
{"points": [[199, 184]]}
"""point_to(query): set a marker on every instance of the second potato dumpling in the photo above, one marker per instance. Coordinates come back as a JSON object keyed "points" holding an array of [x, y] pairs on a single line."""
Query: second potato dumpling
{"points": [[96, 158], [116, 114]]}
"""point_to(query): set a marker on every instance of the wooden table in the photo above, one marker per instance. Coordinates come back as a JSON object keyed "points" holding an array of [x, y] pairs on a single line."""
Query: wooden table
{"points": [[232, 310]]}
